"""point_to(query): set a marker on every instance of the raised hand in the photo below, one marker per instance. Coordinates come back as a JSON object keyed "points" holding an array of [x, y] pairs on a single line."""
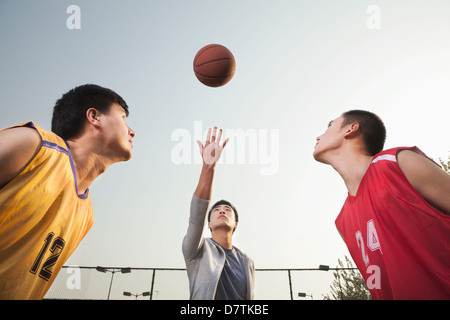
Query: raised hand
{"points": [[212, 149]]}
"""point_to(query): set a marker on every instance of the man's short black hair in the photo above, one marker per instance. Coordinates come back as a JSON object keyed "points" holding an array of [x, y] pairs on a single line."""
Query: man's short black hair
{"points": [[69, 113], [372, 129]]}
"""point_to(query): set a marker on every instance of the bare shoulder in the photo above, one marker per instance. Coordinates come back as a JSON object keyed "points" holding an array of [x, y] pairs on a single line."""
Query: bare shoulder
{"points": [[414, 162], [427, 178], [19, 140], [21, 133], [17, 147]]}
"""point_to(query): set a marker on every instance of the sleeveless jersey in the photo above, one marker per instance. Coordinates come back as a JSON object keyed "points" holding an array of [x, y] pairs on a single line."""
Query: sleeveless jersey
{"points": [[399, 242], [42, 220]]}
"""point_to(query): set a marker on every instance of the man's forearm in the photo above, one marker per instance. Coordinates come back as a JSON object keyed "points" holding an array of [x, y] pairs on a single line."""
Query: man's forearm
{"points": [[204, 187]]}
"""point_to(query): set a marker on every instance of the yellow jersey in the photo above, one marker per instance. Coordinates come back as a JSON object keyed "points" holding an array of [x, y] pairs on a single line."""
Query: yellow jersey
{"points": [[42, 220]]}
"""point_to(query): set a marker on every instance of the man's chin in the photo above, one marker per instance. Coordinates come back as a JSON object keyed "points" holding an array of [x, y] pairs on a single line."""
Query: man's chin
{"points": [[318, 157], [127, 156]]}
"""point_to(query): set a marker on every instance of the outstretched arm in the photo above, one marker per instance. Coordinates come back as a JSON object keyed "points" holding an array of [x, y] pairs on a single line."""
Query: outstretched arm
{"points": [[211, 153], [427, 178]]}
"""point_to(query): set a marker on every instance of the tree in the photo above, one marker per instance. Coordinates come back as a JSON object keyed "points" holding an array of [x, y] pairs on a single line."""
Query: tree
{"points": [[445, 166], [348, 284]]}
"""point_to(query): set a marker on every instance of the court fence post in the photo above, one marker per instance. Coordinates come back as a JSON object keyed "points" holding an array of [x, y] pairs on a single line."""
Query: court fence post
{"points": [[153, 282]]}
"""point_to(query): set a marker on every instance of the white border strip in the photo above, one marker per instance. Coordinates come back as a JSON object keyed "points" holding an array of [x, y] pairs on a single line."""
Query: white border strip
{"points": [[389, 157]]}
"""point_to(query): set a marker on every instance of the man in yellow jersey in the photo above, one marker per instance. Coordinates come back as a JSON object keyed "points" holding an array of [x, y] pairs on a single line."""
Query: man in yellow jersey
{"points": [[45, 207]]}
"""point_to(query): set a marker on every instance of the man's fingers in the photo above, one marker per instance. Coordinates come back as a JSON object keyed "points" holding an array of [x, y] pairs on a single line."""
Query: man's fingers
{"points": [[213, 138], [219, 136], [225, 142], [208, 136], [200, 145]]}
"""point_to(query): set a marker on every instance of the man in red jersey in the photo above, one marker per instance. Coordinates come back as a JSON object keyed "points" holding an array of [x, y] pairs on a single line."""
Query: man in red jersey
{"points": [[396, 218]]}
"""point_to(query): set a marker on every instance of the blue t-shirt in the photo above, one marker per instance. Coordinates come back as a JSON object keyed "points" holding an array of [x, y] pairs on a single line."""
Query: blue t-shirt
{"points": [[233, 281]]}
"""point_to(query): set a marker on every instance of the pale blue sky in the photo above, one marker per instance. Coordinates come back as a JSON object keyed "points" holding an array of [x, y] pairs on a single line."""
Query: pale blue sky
{"points": [[299, 64]]}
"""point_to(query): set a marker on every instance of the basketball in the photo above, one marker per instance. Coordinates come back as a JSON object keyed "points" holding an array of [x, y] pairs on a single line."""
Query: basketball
{"points": [[214, 65]]}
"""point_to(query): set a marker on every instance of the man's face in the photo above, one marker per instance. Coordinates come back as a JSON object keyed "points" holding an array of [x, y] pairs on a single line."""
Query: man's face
{"points": [[117, 134], [222, 216], [330, 140]]}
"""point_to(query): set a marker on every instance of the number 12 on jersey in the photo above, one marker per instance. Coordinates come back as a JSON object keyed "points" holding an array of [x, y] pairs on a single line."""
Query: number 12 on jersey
{"points": [[56, 248]]}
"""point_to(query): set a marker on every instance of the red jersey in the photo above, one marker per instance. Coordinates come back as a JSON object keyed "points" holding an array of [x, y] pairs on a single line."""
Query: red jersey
{"points": [[399, 242]]}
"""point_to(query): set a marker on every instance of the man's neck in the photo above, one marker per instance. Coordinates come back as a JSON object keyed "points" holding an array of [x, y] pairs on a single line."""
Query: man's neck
{"points": [[223, 237], [88, 164], [352, 168]]}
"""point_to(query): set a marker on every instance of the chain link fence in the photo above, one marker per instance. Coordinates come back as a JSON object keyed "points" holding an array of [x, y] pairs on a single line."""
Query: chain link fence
{"points": [[121, 283]]}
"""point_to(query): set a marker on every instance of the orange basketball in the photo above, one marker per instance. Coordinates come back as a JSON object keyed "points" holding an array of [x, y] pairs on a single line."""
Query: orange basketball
{"points": [[214, 65]]}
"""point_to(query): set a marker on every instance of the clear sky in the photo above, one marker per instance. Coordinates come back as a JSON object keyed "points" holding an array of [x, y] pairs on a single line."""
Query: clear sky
{"points": [[299, 64]]}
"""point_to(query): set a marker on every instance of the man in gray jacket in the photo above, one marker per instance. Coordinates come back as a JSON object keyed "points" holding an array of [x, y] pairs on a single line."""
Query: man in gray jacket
{"points": [[216, 269]]}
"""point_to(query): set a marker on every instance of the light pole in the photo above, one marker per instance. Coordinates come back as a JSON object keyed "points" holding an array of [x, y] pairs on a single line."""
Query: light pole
{"points": [[303, 295], [324, 267], [327, 268], [113, 271], [129, 294]]}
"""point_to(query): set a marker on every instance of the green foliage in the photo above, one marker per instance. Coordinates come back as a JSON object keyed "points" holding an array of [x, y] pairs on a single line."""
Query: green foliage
{"points": [[445, 166], [348, 284]]}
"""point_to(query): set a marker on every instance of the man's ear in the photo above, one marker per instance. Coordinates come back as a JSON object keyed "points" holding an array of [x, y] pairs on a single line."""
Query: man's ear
{"points": [[352, 130], [92, 115]]}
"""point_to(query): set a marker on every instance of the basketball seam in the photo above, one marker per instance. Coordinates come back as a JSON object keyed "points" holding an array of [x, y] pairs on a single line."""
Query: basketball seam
{"points": [[202, 64], [205, 49], [212, 77]]}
